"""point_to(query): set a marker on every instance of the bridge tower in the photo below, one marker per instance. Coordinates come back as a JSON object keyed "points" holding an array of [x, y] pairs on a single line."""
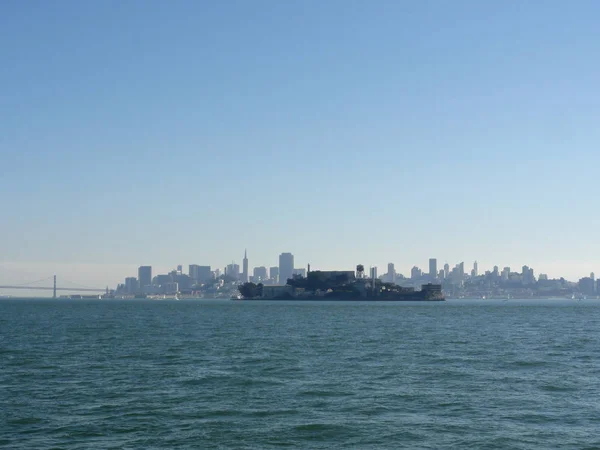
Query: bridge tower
{"points": [[54, 290]]}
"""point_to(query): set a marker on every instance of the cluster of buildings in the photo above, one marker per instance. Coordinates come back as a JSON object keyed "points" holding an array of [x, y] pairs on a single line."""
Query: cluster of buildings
{"points": [[204, 280], [456, 281]]}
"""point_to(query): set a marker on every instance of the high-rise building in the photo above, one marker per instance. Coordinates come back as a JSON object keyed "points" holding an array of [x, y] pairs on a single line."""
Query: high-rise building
{"points": [[432, 268], [144, 276], [245, 268], [233, 271], [475, 269], [260, 274], [415, 273], [131, 285], [587, 286], [204, 274], [441, 274], [495, 272], [274, 274], [446, 270], [200, 274], [374, 272], [505, 274], [286, 267], [391, 273], [180, 269], [527, 276]]}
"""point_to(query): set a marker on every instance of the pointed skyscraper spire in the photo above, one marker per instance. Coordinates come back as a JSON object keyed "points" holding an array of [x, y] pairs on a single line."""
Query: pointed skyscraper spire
{"points": [[245, 267]]}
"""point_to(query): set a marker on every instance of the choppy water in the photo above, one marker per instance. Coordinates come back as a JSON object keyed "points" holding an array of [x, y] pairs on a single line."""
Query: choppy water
{"points": [[223, 374]]}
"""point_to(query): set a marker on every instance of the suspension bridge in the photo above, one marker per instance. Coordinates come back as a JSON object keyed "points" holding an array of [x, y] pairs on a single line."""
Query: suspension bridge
{"points": [[32, 285]]}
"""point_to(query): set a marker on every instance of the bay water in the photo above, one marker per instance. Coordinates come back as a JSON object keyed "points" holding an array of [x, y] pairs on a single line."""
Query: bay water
{"points": [[142, 374]]}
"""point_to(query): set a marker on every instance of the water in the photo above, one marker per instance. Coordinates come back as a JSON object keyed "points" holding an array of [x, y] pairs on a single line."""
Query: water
{"points": [[223, 374]]}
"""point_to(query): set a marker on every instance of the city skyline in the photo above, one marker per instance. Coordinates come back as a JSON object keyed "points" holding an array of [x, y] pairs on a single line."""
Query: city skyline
{"points": [[125, 272]]}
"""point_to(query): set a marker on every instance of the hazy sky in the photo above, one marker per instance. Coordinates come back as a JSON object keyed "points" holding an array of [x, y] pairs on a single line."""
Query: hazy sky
{"points": [[345, 132]]}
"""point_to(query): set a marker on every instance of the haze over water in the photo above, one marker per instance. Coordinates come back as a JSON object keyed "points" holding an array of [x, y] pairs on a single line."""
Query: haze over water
{"points": [[224, 374]]}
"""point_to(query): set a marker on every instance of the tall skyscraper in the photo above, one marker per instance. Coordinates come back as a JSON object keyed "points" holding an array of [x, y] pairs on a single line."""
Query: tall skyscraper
{"points": [[415, 273], [374, 273], [446, 270], [527, 276], [391, 273], [245, 268], [144, 276], [233, 271], [432, 268], [286, 267], [131, 285], [475, 269]]}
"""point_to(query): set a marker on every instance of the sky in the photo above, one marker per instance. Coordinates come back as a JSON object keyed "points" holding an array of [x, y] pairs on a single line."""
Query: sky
{"points": [[343, 131]]}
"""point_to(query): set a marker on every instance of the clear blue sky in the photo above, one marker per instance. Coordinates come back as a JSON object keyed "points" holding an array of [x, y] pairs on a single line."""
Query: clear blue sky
{"points": [[164, 133]]}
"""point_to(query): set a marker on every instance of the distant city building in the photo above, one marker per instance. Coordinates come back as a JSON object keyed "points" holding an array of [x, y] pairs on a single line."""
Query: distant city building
{"points": [[543, 277], [415, 273], [184, 282], [274, 274], [170, 288], [446, 270], [161, 280], [391, 273], [301, 272], [374, 273], [180, 269], [145, 276], [457, 275], [200, 274], [286, 267], [131, 285], [233, 271], [193, 271], [260, 274], [441, 274], [245, 268], [432, 268], [527, 276], [496, 272], [475, 272], [587, 286], [505, 274]]}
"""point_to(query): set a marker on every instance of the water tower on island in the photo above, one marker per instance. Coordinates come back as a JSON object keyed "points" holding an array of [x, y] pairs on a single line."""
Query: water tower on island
{"points": [[360, 271]]}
